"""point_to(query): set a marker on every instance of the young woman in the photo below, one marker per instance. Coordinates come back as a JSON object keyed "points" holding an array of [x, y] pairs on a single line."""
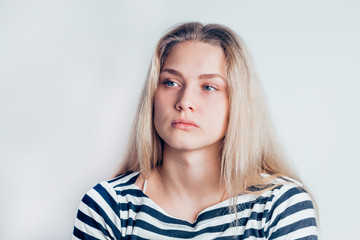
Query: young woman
{"points": [[203, 161]]}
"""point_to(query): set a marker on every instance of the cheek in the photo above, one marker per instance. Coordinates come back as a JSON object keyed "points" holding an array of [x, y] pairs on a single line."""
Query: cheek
{"points": [[218, 113], [163, 100], [160, 107], [157, 110], [220, 118], [218, 106]]}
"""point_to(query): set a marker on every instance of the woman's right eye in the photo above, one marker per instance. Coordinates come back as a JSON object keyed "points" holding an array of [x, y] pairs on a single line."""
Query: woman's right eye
{"points": [[170, 83]]}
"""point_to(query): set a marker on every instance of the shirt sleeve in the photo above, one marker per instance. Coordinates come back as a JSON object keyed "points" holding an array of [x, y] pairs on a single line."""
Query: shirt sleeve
{"points": [[292, 215], [98, 216]]}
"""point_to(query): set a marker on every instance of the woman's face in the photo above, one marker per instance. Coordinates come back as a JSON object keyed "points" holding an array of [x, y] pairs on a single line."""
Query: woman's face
{"points": [[191, 101]]}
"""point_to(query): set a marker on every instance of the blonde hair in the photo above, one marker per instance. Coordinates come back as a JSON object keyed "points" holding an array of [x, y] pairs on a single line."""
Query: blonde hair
{"points": [[250, 145]]}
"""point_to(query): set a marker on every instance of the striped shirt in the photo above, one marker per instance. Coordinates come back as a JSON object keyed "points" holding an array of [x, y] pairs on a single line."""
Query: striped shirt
{"points": [[118, 209]]}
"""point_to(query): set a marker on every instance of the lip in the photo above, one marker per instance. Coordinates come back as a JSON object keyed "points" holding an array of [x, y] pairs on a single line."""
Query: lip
{"points": [[184, 124]]}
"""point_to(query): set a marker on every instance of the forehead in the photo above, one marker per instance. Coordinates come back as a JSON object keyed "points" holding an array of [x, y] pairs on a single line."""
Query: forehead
{"points": [[196, 57]]}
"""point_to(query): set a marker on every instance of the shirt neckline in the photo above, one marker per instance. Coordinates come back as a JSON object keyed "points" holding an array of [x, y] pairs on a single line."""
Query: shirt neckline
{"points": [[225, 203]]}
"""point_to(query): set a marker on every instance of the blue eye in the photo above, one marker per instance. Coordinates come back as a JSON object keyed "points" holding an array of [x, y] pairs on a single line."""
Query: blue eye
{"points": [[170, 83], [208, 88]]}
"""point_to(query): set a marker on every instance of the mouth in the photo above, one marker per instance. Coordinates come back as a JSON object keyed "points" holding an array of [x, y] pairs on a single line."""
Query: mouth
{"points": [[184, 124]]}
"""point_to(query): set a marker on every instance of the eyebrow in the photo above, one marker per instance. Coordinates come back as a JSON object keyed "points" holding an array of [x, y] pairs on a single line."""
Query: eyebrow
{"points": [[202, 76]]}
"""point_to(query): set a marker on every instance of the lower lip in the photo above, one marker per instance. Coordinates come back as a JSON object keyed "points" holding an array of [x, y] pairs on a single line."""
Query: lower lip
{"points": [[183, 126]]}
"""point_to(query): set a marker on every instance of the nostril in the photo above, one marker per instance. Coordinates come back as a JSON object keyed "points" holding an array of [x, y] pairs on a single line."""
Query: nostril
{"points": [[178, 106], [184, 106]]}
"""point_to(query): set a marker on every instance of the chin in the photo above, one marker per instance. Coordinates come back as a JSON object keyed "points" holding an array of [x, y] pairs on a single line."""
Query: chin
{"points": [[182, 146], [188, 145]]}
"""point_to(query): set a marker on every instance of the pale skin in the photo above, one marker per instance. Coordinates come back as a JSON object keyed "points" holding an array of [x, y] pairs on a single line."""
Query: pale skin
{"points": [[191, 115]]}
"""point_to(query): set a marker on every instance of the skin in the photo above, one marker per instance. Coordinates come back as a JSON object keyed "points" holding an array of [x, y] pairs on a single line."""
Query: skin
{"points": [[192, 87]]}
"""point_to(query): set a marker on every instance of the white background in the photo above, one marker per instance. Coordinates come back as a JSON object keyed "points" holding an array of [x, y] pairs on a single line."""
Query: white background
{"points": [[71, 74]]}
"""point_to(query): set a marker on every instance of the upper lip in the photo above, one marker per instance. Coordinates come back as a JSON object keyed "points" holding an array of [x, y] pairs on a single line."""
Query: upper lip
{"points": [[184, 121]]}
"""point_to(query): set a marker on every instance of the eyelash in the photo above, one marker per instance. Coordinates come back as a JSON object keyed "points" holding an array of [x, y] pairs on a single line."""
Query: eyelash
{"points": [[213, 88], [168, 82]]}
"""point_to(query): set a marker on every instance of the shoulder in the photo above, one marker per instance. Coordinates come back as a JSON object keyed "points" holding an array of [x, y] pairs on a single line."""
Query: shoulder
{"points": [[287, 189], [108, 190], [99, 211], [123, 182], [290, 211]]}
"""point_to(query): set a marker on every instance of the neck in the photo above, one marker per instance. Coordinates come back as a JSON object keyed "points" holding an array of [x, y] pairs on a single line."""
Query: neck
{"points": [[191, 174]]}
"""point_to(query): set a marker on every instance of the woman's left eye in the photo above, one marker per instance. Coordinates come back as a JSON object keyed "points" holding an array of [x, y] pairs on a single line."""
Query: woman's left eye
{"points": [[209, 88]]}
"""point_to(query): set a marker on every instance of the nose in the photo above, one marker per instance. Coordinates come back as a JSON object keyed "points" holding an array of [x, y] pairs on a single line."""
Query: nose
{"points": [[186, 100]]}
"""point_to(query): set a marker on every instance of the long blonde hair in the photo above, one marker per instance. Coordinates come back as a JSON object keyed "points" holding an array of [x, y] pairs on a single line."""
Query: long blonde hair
{"points": [[250, 145]]}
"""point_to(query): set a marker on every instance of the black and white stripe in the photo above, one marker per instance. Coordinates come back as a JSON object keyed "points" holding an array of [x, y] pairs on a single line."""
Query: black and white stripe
{"points": [[118, 209]]}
